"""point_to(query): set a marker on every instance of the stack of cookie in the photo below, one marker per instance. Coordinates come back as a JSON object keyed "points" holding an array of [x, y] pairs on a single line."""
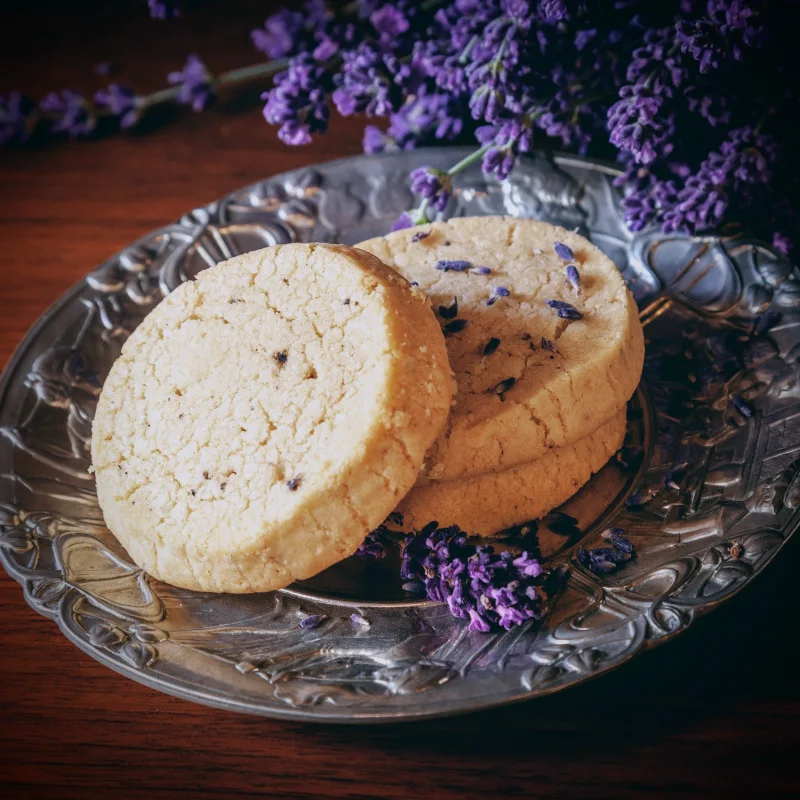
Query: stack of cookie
{"points": [[264, 418], [546, 345]]}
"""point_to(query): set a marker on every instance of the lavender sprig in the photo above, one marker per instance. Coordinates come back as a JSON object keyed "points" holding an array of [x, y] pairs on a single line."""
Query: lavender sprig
{"points": [[489, 589]]}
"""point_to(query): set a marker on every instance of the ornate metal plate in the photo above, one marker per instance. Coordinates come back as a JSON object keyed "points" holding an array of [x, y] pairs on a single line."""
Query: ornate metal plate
{"points": [[724, 517]]}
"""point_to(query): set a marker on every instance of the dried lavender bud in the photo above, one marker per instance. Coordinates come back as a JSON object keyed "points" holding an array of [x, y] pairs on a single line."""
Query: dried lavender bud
{"points": [[453, 266], [630, 456], [491, 346], [312, 621], [357, 619], [415, 283], [563, 252], [602, 560], [617, 537], [346, 301], [497, 291], [477, 584], [449, 312], [501, 388], [420, 235], [455, 326], [372, 546], [565, 310], [480, 271], [765, 322], [741, 406], [546, 344], [641, 498], [293, 483], [574, 278], [395, 517], [561, 516], [674, 475], [281, 357]]}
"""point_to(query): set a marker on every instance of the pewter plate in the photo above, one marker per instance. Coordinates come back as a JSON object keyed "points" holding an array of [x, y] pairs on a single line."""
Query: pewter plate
{"points": [[724, 517]]}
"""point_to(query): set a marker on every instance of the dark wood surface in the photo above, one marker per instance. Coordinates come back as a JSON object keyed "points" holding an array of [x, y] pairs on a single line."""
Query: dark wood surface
{"points": [[715, 713]]}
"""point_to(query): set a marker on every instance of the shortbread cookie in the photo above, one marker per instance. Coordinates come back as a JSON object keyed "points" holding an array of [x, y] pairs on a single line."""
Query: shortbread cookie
{"points": [[497, 500], [529, 377], [265, 417]]}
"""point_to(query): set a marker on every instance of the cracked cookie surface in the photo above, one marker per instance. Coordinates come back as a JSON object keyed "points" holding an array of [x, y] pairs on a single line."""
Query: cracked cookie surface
{"points": [[528, 379], [488, 503], [266, 416]]}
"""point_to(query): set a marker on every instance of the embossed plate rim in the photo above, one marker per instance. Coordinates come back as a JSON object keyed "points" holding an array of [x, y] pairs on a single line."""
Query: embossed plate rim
{"points": [[270, 704]]}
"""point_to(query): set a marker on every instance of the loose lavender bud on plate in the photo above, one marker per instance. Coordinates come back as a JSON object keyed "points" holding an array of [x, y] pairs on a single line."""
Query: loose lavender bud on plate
{"points": [[574, 278], [617, 538], [453, 266], [563, 252], [312, 621], [455, 326], [741, 406], [359, 620], [565, 310], [491, 346]]}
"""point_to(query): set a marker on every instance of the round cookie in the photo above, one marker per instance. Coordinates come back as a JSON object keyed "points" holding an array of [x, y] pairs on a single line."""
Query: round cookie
{"points": [[492, 502], [518, 397], [265, 417]]}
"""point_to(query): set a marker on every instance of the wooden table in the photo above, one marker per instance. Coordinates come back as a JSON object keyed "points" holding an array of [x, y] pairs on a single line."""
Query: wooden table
{"points": [[716, 713]]}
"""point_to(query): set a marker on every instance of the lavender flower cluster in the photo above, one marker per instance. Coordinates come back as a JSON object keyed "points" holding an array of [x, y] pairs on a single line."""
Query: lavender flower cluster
{"points": [[488, 588], [696, 99], [692, 97]]}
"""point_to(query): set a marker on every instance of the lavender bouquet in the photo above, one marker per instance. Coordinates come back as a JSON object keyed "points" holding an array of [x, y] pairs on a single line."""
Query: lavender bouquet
{"points": [[694, 98]]}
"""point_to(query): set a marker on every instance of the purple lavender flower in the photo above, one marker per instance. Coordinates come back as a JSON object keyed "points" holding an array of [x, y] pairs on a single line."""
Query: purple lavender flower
{"points": [[70, 112], [455, 265], [564, 310], [432, 184], [563, 252], [487, 588], [552, 11], [297, 101], [164, 9], [741, 406], [369, 82], [280, 34], [449, 311], [574, 278], [546, 344], [17, 118], [194, 82], [454, 326], [603, 560], [312, 621], [729, 28], [491, 346], [497, 292], [375, 140], [120, 102], [372, 546], [641, 122], [390, 23], [743, 162]]}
